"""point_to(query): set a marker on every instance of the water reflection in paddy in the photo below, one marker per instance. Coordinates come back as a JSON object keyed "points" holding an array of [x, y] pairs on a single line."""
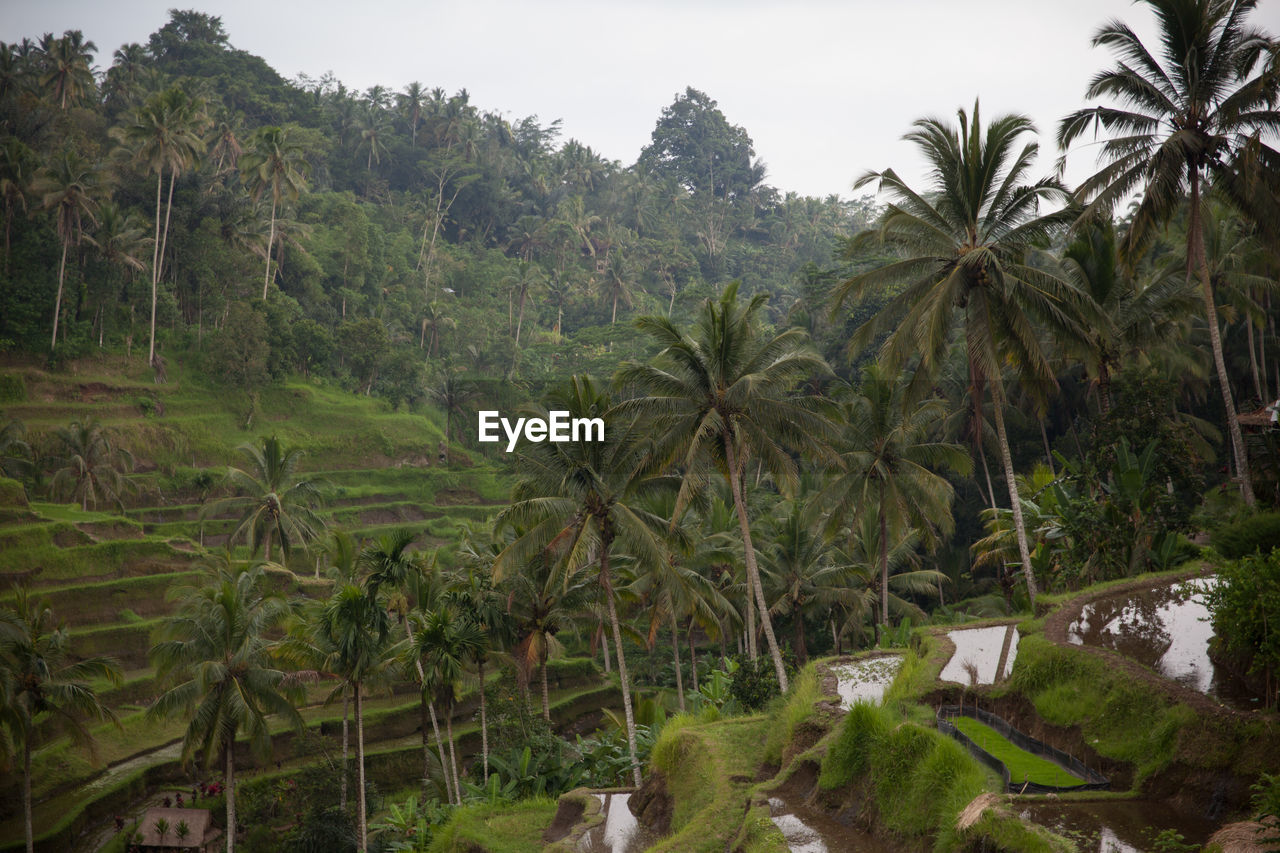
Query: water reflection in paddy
{"points": [[1117, 826], [865, 680], [620, 832], [981, 647], [1165, 627]]}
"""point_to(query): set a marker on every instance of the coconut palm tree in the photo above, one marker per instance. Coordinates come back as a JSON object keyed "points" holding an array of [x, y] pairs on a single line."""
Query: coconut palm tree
{"points": [[92, 469], [216, 652], [578, 502], [721, 396], [15, 454], [412, 100], [17, 171], [275, 162], [42, 689], [889, 461], [277, 503], [164, 135], [1184, 115], [68, 75], [964, 268], [359, 630], [68, 186]]}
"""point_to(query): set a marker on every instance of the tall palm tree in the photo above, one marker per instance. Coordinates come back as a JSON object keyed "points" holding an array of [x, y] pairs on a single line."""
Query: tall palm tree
{"points": [[68, 186], [120, 239], [216, 648], [42, 689], [164, 135], [722, 396], [448, 644], [577, 501], [91, 468], [278, 504], [359, 630], [964, 268], [1184, 116], [412, 100], [17, 171], [889, 461], [275, 162], [68, 76]]}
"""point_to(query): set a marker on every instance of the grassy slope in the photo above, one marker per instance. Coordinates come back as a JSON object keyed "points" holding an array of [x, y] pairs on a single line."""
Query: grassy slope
{"points": [[106, 571]]}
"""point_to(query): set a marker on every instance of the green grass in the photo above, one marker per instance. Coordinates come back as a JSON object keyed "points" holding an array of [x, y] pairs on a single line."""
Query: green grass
{"points": [[793, 712], [1023, 766], [502, 828]]}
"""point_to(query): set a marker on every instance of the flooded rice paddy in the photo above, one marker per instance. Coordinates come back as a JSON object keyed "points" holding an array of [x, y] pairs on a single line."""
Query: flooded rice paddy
{"points": [[865, 680], [1165, 627], [987, 650], [1117, 826], [620, 832]]}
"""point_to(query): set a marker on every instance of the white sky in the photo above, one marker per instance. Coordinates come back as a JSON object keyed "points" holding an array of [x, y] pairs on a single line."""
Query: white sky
{"points": [[825, 88]]}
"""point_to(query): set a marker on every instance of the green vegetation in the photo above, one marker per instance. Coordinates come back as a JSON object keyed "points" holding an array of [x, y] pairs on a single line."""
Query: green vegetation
{"points": [[828, 409], [1023, 766]]}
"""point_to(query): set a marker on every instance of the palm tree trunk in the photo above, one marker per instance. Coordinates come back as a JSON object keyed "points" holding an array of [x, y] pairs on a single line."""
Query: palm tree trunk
{"points": [[57, 304], [26, 793], [453, 751], [164, 236], [346, 749], [750, 613], [271, 239], [448, 783], [884, 561], [604, 646], [520, 317], [1019, 526], [607, 583], [693, 658], [1196, 255], [484, 726], [1253, 360], [155, 269], [230, 780], [363, 827], [797, 630], [753, 573], [675, 648], [546, 705]]}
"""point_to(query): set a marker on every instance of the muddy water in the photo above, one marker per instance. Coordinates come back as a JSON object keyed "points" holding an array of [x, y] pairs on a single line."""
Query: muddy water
{"points": [[808, 831], [1165, 627], [981, 647], [620, 832], [865, 680], [1117, 826]]}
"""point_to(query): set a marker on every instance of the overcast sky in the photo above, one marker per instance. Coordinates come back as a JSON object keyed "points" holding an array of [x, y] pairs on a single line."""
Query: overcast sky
{"points": [[825, 88]]}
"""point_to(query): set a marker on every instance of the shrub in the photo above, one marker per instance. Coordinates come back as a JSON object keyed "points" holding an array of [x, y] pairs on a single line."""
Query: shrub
{"points": [[1255, 534], [1245, 604], [753, 683]]}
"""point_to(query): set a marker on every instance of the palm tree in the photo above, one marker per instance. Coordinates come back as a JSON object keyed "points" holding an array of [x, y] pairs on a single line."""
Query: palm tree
{"points": [[164, 135], [15, 454], [1139, 313], [577, 502], [275, 162], [964, 268], [388, 563], [91, 468], [358, 628], [68, 186], [42, 688], [888, 467], [528, 278], [722, 396], [447, 644], [120, 240], [1184, 117], [798, 565], [17, 170], [68, 75], [278, 503], [412, 100], [216, 648]]}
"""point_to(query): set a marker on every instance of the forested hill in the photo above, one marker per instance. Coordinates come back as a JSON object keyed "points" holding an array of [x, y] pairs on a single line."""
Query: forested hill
{"points": [[392, 240]]}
